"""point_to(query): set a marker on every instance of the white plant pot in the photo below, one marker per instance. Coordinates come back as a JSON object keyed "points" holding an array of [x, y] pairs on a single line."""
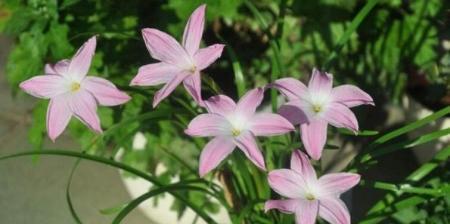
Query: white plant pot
{"points": [[162, 214]]}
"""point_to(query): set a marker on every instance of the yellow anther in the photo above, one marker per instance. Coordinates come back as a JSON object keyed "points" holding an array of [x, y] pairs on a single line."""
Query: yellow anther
{"points": [[235, 132], [193, 68], [310, 197], [75, 86], [317, 108]]}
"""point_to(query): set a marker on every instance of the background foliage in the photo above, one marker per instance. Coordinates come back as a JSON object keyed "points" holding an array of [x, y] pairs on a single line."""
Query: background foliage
{"points": [[400, 48]]}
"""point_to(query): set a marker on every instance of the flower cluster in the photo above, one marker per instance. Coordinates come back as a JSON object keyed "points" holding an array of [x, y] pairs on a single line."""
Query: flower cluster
{"points": [[230, 124]]}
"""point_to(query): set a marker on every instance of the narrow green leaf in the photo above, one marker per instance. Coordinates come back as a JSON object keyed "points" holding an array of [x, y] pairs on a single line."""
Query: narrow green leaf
{"points": [[112, 210], [365, 154], [136, 202], [426, 168], [246, 211], [410, 127], [405, 144], [109, 162], [237, 69], [362, 14], [378, 212], [402, 204], [211, 84], [68, 198], [157, 114], [331, 147], [257, 14], [277, 65], [359, 133], [273, 77], [402, 188]]}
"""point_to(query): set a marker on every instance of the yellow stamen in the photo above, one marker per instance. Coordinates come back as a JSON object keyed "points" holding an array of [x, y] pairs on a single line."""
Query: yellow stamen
{"points": [[235, 132], [310, 197], [75, 86], [317, 108], [193, 68]]}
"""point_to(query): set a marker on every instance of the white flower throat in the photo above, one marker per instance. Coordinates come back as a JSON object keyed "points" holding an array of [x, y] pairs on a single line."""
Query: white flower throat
{"points": [[238, 124], [318, 102], [312, 191]]}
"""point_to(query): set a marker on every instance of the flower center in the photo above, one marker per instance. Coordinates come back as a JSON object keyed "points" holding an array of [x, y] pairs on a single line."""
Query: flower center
{"points": [[317, 108], [75, 86], [238, 124], [192, 69], [235, 132], [310, 197]]}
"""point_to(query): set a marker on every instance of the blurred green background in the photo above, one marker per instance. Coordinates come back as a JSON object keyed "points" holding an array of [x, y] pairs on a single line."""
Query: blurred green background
{"points": [[400, 52]]}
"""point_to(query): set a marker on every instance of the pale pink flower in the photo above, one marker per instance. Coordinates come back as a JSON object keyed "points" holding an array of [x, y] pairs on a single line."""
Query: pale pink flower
{"points": [[179, 63], [307, 196], [71, 92], [234, 125], [319, 104]]}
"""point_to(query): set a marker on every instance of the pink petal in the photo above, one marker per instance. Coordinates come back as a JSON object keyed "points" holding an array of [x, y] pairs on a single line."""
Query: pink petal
{"points": [[351, 96], [220, 104], [44, 86], [58, 116], [193, 85], [206, 56], [247, 144], [155, 74], [287, 183], [268, 124], [194, 30], [334, 211], [80, 63], [169, 88], [320, 82], [314, 137], [291, 88], [340, 116], [62, 67], [214, 152], [84, 107], [49, 70], [165, 48], [208, 125], [338, 183], [306, 212], [104, 91], [250, 101], [300, 163], [286, 206], [293, 111]]}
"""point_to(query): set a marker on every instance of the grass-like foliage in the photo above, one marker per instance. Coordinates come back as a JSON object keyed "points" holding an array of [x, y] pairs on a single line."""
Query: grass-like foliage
{"points": [[221, 91]]}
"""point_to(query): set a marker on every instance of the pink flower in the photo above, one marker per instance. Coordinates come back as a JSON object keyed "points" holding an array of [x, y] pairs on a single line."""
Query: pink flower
{"points": [[234, 125], [72, 93], [308, 196], [179, 63], [316, 106]]}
